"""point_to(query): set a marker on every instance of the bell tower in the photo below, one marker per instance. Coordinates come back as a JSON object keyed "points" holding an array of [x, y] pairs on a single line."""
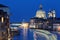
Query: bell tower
{"points": [[52, 13]]}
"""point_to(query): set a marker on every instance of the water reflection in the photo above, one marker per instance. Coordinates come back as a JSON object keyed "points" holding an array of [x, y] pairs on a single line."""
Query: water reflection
{"points": [[25, 31], [34, 36], [28, 34]]}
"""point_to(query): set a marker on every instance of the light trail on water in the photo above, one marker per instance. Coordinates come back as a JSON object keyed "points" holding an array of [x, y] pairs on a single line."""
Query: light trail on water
{"points": [[46, 34]]}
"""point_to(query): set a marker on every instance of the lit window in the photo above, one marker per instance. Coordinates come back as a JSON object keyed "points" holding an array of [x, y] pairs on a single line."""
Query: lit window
{"points": [[2, 19]]}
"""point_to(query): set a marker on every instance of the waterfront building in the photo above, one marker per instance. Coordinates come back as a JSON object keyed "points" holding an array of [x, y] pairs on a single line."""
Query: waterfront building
{"points": [[46, 23], [17, 25], [39, 19], [32, 23], [4, 23], [14, 26], [37, 22]]}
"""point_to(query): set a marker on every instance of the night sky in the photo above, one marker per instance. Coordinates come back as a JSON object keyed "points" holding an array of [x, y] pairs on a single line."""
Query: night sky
{"points": [[25, 9]]}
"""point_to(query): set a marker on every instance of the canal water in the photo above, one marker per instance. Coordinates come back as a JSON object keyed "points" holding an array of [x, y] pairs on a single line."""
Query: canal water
{"points": [[25, 34], [28, 34]]}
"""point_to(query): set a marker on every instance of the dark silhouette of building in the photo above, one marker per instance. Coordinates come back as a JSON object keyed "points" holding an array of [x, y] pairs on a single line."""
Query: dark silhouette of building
{"points": [[4, 23]]}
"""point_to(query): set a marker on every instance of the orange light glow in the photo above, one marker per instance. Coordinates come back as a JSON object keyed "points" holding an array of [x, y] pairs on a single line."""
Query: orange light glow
{"points": [[2, 19], [25, 25], [58, 28]]}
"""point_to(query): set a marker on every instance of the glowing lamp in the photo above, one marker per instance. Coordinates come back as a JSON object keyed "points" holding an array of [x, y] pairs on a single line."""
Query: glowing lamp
{"points": [[25, 25]]}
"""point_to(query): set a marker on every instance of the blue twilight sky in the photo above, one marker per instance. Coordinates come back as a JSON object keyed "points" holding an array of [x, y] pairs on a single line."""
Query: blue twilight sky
{"points": [[25, 9]]}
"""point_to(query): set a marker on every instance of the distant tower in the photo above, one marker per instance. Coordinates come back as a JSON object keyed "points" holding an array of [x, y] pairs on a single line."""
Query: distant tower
{"points": [[49, 14], [52, 14], [40, 13], [4, 23]]}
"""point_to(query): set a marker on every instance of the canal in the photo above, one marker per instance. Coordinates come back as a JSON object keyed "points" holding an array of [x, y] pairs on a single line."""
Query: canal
{"points": [[29, 34]]}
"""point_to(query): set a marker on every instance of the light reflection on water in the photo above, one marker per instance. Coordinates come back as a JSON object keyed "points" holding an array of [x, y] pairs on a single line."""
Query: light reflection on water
{"points": [[25, 31], [34, 36], [39, 37], [27, 34]]}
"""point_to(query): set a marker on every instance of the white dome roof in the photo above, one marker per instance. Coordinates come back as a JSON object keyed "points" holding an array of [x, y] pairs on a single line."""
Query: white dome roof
{"points": [[40, 14]]}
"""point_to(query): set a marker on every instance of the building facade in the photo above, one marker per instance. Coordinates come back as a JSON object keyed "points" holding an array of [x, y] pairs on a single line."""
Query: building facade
{"points": [[43, 22], [4, 23]]}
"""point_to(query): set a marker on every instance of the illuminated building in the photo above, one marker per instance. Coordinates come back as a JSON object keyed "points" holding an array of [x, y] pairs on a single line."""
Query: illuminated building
{"points": [[52, 14], [40, 13], [51, 23], [4, 23], [32, 23], [37, 22], [15, 26]]}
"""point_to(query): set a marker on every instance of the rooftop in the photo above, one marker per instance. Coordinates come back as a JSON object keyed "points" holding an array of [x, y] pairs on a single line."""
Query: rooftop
{"points": [[1, 5]]}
